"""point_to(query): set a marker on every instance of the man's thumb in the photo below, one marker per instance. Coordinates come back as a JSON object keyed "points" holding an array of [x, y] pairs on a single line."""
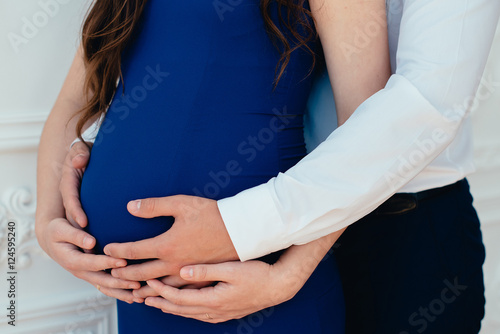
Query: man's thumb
{"points": [[154, 207]]}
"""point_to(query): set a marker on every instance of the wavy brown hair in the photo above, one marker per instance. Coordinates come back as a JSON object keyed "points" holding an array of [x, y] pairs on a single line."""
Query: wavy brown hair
{"points": [[110, 24]]}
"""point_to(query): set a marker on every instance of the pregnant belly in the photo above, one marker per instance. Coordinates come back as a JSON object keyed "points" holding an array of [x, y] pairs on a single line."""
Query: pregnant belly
{"points": [[138, 160]]}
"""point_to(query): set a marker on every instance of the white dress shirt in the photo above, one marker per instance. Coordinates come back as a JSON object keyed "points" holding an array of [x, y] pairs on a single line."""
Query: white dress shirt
{"points": [[413, 135]]}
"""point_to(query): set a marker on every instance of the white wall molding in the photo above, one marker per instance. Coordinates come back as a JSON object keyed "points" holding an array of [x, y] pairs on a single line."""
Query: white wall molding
{"points": [[81, 312], [20, 131], [18, 205]]}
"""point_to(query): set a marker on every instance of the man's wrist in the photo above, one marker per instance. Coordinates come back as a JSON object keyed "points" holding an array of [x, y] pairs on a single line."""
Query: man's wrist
{"points": [[253, 222], [289, 279]]}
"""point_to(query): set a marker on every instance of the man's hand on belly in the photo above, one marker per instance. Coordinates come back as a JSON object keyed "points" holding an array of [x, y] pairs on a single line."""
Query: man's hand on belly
{"points": [[197, 236]]}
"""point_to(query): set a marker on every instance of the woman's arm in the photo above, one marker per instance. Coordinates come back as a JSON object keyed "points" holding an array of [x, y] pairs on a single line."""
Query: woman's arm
{"points": [[354, 38], [59, 238], [54, 143]]}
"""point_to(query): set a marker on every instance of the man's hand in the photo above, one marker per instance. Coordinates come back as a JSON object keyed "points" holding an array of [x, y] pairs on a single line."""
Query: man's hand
{"points": [[243, 289], [198, 235], [72, 172], [66, 244]]}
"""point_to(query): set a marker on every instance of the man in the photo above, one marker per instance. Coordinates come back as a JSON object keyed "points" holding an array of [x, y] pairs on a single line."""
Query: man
{"points": [[413, 264]]}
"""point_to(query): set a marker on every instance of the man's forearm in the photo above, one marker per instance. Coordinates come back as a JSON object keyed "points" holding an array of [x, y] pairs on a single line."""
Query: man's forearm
{"points": [[299, 262], [399, 131]]}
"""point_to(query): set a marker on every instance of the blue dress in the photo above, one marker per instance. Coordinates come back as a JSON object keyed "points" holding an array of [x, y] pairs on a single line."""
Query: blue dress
{"points": [[196, 114]]}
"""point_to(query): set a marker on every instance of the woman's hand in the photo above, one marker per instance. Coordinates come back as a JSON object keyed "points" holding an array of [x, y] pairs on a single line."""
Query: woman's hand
{"points": [[63, 241], [71, 178], [70, 247]]}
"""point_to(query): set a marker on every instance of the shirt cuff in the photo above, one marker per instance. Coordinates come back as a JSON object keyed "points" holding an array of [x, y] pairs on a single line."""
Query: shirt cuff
{"points": [[259, 204]]}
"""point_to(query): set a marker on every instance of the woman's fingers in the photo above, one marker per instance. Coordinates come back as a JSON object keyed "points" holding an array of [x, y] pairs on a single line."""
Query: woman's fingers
{"points": [[80, 155], [104, 279], [61, 230], [65, 244], [79, 261], [144, 271], [69, 186], [123, 295], [147, 291]]}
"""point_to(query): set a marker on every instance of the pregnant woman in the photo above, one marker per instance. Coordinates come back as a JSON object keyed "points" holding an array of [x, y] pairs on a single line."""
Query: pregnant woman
{"points": [[197, 114], [210, 102]]}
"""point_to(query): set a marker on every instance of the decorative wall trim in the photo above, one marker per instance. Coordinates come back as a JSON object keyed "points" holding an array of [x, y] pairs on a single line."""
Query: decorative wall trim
{"points": [[18, 205], [86, 312], [20, 131]]}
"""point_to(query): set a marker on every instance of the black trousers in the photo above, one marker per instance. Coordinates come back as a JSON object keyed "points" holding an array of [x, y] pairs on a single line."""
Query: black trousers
{"points": [[415, 266]]}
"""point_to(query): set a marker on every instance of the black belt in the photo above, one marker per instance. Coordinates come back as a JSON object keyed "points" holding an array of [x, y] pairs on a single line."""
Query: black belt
{"points": [[403, 202]]}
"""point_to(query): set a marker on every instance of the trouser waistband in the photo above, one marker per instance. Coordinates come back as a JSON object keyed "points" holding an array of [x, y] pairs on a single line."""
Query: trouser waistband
{"points": [[404, 202]]}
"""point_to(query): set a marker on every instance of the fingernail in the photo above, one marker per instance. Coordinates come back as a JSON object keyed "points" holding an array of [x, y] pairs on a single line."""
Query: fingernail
{"points": [[87, 242], [121, 264], [135, 206], [132, 286], [137, 300], [187, 272], [81, 221]]}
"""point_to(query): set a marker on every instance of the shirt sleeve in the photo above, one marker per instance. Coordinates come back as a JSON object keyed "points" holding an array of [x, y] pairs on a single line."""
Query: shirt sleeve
{"points": [[441, 55]]}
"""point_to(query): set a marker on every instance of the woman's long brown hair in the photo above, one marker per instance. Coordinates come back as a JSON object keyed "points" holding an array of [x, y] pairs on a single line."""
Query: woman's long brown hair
{"points": [[110, 24]]}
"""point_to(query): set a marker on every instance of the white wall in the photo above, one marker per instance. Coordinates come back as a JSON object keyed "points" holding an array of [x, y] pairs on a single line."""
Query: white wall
{"points": [[31, 73], [35, 58], [485, 184]]}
